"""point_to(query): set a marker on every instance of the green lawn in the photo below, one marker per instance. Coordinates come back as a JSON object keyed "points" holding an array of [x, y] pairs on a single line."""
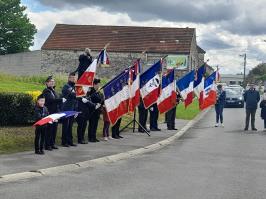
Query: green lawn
{"points": [[187, 113]]}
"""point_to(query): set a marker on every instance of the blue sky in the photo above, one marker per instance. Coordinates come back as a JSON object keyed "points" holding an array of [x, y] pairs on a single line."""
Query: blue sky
{"points": [[225, 28]]}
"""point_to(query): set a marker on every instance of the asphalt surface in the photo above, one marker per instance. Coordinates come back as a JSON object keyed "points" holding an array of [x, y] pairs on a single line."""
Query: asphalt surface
{"points": [[207, 163]]}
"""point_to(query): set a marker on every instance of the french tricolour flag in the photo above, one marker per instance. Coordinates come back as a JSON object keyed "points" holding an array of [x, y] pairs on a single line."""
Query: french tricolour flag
{"points": [[167, 99], [103, 58], [116, 93], [209, 97], [55, 116], [199, 83], [185, 86], [134, 89], [88, 76], [150, 84]]}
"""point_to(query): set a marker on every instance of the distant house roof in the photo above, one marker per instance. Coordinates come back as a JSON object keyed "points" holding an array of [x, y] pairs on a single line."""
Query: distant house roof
{"points": [[200, 50], [121, 38]]}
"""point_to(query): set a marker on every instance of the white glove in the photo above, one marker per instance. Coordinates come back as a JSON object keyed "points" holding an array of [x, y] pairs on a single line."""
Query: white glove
{"points": [[76, 115], [151, 109], [50, 122], [64, 100], [84, 100], [56, 121], [97, 106]]}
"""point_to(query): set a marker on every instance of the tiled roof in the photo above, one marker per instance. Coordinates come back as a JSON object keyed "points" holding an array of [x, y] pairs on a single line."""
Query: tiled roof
{"points": [[121, 38]]}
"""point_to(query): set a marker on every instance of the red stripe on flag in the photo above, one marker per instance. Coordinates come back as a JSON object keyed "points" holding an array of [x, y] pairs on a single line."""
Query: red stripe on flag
{"points": [[151, 98], [168, 103], [86, 79], [189, 99], [117, 113]]}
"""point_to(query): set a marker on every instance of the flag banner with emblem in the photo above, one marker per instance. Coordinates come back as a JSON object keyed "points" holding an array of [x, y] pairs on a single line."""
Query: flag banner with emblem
{"points": [[49, 118], [209, 97], [81, 91], [167, 99], [185, 86], [88, 76], [134, 89], [116, 94], [199, 83], [103, 58], [150, 84]]}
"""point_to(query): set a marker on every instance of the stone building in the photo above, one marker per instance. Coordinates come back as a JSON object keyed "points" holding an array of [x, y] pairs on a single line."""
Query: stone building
{"points": [[126, 43], [60, 52]]}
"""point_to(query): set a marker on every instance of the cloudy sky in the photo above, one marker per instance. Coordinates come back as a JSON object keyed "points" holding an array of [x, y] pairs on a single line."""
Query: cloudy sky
{"points": [[225, 28]]}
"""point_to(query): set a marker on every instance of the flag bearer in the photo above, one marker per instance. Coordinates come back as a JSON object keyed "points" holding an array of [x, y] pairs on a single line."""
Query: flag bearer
{"points": [[143, 115], [85, 61], [94, 112], [68, 92], [171, 114], [84, 106], [154, 116], [40, 112], [53, 103]]}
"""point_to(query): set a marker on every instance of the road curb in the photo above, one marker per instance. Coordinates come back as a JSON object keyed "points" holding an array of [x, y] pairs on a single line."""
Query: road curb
{"points": [[103, 160]]}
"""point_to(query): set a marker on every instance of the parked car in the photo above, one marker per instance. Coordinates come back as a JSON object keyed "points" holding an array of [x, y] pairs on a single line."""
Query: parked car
{"points": [[234, 97]]}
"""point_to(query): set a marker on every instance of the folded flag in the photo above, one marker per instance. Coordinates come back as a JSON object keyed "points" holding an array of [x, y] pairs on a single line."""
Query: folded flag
{"points": [[209, 97], [199, 82], [70, 113], [103, 58], [49, 118], [116, 94], [134, 90], [150, 84], [167, 99], [185, 86], [88, 76]]}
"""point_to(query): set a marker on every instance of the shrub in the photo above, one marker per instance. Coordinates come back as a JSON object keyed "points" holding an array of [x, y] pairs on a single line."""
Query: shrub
{"points": [[16, 108]]}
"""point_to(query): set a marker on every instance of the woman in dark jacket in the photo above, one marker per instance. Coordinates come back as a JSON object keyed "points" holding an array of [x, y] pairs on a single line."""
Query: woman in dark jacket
{"points": [[263, 110]]}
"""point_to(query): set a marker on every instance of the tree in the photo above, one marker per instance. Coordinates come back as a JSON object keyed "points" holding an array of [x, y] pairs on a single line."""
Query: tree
{"points": [[257, 74], [16, 31]]}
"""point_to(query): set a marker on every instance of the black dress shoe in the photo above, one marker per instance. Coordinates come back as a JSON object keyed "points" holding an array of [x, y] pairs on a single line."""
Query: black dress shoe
{"points": [[71, 144], [115, 137], [65, 145], [245, 129], [82, 142], [152, 129], [120, 136], [42, 152], [92, 140], [39, 152], [254, 129], [157, 129], [172, 129], [96, 140], [48, 148], [54, 147]]}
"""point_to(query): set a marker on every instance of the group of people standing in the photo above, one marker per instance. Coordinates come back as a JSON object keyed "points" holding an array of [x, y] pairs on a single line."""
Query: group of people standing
{"points": [[90, 108], [251, 99]]}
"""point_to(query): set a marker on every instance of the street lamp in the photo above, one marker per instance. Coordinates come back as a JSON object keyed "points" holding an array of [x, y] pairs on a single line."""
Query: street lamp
{"points": [[245, 63]]}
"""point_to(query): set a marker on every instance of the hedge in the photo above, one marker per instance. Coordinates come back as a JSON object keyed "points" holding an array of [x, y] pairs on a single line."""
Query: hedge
{"points": [[16, 109]]}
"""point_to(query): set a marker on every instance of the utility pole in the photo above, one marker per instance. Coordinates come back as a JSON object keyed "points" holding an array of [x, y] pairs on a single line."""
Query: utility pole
{"points": [[245, 64]]}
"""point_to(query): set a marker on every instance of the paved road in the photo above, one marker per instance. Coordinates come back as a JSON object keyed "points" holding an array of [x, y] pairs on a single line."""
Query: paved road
{"points": [[205, 163]]}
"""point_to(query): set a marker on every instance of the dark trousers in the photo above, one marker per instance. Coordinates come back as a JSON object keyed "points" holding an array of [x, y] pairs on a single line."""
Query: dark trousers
{"points": [[154, 115], [67, 125], [50, 135], [264, 123], [39, 138], [219, 112], [106, 126], [252, 113], [82, 124], [115, 128], [170, 118], [92, 128], [143, 116]]}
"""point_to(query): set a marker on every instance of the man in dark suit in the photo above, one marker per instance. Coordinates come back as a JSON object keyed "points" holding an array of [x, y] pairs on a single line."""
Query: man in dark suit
{"points": [[85, 61], [143, 116], [154, 116], [94, 111], [252, 98], [52, 102], [68, 92], [219, 106]]}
